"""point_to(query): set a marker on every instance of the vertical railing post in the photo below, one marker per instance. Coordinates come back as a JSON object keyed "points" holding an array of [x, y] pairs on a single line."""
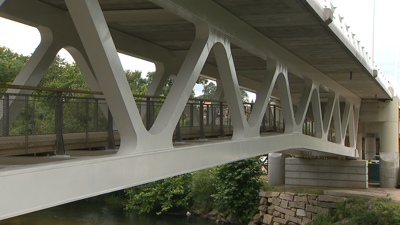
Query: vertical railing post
{"points": [[202, 132], [148, 113], [77, 118], [96, 115], [26, 124], [87, 123], [275, 118], [6, 115], [111, 140], [221, 120], [178, 131], [191, 117], [212, 119], [208, 115], [60, 148]]}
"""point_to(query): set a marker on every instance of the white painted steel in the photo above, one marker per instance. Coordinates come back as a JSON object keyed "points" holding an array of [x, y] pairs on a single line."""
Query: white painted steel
{"points": [[45, 185]]}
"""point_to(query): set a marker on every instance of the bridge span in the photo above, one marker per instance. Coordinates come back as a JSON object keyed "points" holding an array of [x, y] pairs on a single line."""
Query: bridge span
{"points": [[297, 51]]}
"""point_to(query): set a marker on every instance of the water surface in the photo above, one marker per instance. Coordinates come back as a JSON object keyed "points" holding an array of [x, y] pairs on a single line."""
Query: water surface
{"points": [[83, 213]]}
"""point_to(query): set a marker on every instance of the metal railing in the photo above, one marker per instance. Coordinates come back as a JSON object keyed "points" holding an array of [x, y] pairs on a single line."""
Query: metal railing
{"points": [[56, 121]]}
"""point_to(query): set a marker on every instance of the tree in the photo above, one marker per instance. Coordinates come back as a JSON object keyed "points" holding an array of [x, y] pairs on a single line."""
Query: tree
{"points": [[237, 187], [162, 196], [137, 84], [11, 64]]}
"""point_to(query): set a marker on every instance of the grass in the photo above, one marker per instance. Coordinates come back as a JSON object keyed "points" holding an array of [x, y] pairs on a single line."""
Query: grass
{"points": [[360, 211]]}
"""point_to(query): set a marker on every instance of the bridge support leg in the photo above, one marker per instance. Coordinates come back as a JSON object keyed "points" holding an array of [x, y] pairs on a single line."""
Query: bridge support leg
{"points": [[370, 146], [276, 169], [389, 151]]}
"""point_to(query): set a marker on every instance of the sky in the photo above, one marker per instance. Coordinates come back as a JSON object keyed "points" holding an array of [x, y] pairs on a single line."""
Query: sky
{"points": [[358, 14]]}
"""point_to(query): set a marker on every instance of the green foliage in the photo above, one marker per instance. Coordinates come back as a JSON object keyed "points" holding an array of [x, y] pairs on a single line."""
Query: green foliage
{"points": [[117, 197], [11, 64], [237, 187], [203, 188], [137, 84], [360, 211], [161, 195]]}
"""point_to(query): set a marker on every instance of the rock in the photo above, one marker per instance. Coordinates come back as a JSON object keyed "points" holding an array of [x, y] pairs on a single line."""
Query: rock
{"points": [[263, 208], [301, 198], [271, 209], [300, 212], [262, 194], [284, 204], [317, 209], [257, 218], [299, 205], [223, 220], [313, 202], [212, 213], [267, 219], [285, 211], [231, 219], [263, 201], [274, 194], [276, 201], [276, 223], [286, 196], [270, 200], [212, 217], [312, 197], [306, 221], [277, 214], [295, 219], [280, 220], [251, 223], [309, 215]]}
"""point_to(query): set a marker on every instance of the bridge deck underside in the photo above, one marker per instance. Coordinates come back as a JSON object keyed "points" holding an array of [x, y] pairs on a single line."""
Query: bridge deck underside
{"points": [[292, 24], [62, 180]]}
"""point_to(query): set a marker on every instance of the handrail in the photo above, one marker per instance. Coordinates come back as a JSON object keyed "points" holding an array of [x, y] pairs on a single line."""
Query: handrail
{"points": [[12, 86]]}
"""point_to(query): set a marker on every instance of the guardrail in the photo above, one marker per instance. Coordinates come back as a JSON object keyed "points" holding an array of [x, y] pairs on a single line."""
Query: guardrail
{"points": [[51, 120]]}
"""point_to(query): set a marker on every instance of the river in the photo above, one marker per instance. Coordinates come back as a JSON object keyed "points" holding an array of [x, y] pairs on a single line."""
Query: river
{"points": [[98, 213]]}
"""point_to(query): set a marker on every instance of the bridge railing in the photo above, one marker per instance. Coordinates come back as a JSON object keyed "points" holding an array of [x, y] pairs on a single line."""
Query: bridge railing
{"points": [[49, 121]]}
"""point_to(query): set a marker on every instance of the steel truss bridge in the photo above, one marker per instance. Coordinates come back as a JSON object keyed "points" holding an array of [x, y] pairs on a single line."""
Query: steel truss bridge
{"points": [[298, 51]]}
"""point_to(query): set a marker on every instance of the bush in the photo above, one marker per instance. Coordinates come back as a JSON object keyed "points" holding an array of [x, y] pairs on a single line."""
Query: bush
{"points": [[237, 187], [360, 211], [203, 188], [161, 195]]}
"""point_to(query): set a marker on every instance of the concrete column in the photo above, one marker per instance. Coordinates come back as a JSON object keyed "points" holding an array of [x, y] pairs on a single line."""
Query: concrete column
{"points": [[276, 169], [389, 146], [370, 146], [359, 145]]}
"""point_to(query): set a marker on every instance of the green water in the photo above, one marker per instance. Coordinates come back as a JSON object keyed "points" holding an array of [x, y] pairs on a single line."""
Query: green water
{"points": [[83, 213]]}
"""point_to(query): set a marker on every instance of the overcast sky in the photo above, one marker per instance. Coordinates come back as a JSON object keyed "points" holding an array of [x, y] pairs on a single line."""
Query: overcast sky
{"points": [[358, 14]]}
